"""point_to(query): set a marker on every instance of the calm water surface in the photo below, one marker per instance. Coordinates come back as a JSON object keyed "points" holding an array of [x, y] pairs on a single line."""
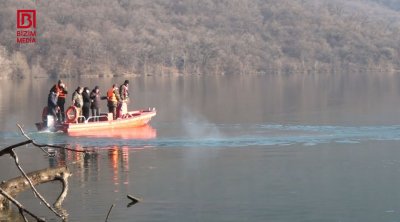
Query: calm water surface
{"points": [[227, 148]]}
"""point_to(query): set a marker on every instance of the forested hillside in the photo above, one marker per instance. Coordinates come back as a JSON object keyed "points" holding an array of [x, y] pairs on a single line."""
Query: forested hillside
{"points": [[124, 37]]}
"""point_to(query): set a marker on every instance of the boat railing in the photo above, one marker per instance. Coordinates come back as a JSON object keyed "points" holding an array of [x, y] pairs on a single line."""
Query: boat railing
{"points": [[126, 116], [95, 118], [83, 119]]}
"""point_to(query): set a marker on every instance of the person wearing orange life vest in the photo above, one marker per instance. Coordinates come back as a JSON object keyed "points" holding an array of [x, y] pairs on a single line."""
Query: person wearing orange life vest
{"points": [[61, 89], [113, 99]]}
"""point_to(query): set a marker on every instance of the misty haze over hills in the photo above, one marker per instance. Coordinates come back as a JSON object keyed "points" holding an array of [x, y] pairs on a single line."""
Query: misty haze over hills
{"points": [[124, 37], [392, 4]]}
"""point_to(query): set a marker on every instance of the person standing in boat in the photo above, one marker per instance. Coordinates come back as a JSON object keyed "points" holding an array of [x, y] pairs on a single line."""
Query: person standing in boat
{"points": [[95, 99], [62, 93], [86, 103], [124, 93], [77, 99], [52, 103], [113, 99]]}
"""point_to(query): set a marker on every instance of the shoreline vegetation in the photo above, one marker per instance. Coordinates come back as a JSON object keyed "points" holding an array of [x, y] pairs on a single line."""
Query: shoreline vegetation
{"points": [[350, 68], [126, 38]]}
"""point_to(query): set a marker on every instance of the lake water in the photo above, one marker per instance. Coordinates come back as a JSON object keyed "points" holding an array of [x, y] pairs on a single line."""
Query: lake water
{"points": [[226, 148]]}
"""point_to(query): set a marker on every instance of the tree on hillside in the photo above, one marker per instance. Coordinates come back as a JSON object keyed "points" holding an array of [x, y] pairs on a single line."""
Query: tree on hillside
{"points": [[121, 37]]}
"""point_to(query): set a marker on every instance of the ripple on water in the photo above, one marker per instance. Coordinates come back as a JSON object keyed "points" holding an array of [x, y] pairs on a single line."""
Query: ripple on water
{"points": [[234, 135]]}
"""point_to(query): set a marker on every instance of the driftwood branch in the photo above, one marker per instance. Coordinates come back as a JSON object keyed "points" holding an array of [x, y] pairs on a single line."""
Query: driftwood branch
{"points": [[8, 149], [35, 192], [64, 181], [20, 184], [133, 199], [17, 185]]}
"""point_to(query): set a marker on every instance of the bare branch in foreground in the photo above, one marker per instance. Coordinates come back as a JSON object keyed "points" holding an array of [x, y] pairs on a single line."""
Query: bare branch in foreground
{"points": [[35, 192], [48, 145], [109, 211], [20, 207], [19, 184], [10, 150]]}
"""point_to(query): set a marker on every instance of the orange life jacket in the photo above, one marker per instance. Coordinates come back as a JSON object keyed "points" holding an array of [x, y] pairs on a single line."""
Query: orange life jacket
{"points": [[60, 91], [111, 95]]}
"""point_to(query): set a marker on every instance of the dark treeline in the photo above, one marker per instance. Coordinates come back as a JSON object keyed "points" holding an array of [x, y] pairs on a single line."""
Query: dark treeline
{"points": [[124, 37]]}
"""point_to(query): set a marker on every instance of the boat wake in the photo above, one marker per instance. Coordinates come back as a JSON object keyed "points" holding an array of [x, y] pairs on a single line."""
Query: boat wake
{"points": [[237, 135]]}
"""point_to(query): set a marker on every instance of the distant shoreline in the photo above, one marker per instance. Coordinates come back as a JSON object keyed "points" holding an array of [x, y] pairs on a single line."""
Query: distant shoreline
{"points": [[376, 71]]}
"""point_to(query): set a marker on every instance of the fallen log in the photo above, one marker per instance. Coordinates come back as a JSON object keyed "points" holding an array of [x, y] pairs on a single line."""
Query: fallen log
{"points": [[19, 184], [9, 189]]}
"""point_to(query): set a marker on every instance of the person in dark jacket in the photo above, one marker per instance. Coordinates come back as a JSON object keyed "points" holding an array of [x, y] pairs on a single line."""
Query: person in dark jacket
{"points": [[95, 97], [123, 91], [86, 102], [122, 108], [52, 103], [77, 101]]}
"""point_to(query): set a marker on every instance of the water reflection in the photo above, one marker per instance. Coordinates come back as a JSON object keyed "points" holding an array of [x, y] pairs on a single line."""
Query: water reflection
{"points": [[119, 164], [351, 120], [144, 132], [62, 157], [15, 216], [86, 167]]}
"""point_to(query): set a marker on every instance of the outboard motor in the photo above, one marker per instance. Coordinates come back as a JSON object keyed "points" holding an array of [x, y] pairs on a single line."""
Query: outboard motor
{"points": [[50, 121]]}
